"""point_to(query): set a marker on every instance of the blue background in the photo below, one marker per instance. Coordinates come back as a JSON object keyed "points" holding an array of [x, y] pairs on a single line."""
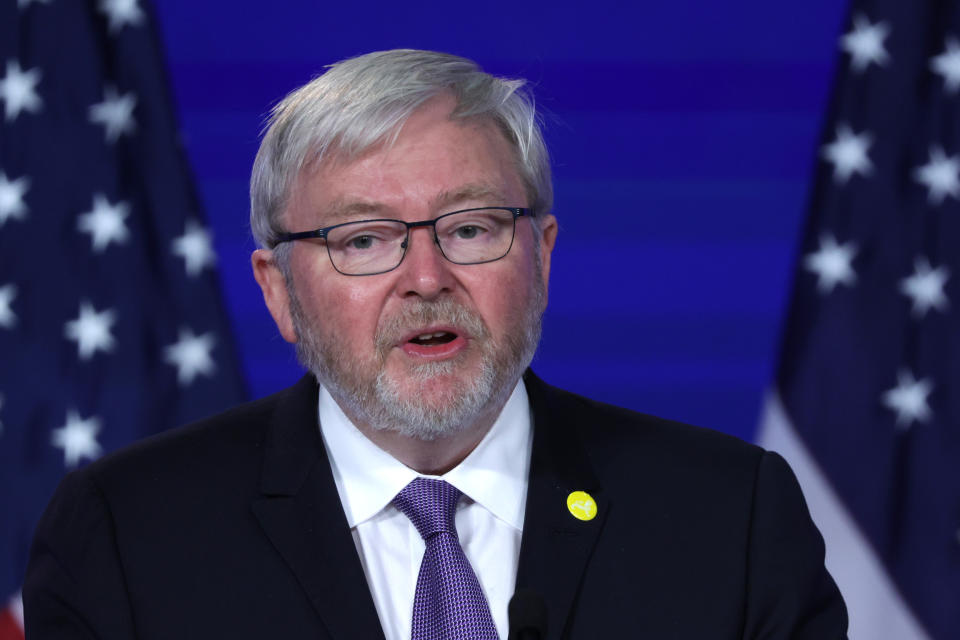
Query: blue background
{"points": [[683, 137]]}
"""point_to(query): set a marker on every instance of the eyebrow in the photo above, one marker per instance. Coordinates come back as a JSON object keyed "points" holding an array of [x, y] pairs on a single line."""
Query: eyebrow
{"points": [[478, 192], [344, 210]]}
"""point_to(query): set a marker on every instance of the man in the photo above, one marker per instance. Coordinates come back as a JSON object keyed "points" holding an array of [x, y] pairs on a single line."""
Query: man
{"points": [[402, 202]]}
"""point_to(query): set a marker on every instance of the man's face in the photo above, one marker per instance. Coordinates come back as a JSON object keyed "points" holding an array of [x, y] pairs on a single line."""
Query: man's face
{"points": [[429, 347]]}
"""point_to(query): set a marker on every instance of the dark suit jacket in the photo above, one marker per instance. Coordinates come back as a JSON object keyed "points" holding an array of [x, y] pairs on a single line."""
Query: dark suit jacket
{"points": [[232, 528]]}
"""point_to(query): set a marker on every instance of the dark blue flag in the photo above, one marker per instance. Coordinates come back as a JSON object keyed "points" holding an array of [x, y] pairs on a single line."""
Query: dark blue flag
{"points": [[867, 402], [112, 326]]}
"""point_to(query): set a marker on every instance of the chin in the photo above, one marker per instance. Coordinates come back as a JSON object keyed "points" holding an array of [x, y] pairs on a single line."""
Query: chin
{"points": [[433, 400], [436, 382]]}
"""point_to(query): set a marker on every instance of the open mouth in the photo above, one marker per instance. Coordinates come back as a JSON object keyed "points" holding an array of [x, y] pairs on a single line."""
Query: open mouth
{"points": [[434, 339], [434, 343]]}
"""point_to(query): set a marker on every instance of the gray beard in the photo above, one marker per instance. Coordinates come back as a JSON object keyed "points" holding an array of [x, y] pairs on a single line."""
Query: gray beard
{"points": [[367, 394]]}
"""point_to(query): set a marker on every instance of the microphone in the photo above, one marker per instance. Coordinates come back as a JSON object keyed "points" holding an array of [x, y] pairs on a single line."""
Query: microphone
{"points": [[527, 613]]}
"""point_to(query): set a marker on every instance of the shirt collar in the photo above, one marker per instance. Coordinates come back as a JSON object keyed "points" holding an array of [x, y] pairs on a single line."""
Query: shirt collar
{"points": [[494, 474]]}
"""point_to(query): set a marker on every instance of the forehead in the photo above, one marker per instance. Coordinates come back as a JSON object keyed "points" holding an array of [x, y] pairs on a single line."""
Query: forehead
{"points": [[434, 162]]}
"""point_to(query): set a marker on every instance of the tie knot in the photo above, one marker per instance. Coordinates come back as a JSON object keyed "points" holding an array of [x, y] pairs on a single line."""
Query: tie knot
{"points": [[430, 505]]}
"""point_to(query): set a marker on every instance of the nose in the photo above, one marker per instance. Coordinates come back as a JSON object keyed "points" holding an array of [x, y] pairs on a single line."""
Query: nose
{"points": [[424, 272]]}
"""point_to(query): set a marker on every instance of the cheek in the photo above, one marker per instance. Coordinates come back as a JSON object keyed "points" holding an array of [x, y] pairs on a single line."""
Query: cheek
{"points": [[357, 308], [342, 308], [358, 296], [499, 297]]}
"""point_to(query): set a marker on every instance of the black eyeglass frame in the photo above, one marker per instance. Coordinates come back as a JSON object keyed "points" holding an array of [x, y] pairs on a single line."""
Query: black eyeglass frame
{"points": [[518, 212]]}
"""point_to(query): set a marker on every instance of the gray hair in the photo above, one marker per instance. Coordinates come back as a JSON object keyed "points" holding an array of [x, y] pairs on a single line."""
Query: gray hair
{"points": [[361, 102]]}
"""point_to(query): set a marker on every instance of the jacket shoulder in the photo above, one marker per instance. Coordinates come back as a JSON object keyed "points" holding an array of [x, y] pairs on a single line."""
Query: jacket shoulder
{"points": [[612, 434], [232, 439]]}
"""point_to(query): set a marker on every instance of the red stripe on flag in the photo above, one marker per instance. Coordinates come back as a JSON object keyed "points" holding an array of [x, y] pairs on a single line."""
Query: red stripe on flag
{"points": [[9, 627]]}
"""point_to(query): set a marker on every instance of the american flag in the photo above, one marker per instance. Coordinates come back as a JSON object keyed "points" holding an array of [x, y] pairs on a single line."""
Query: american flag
{"points": [[112, 326], [867, 398]]}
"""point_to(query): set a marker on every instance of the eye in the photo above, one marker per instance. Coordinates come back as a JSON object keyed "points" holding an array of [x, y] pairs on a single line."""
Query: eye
{"points": [[364, 237], [474, 227], [361, 242], [467, 231]]}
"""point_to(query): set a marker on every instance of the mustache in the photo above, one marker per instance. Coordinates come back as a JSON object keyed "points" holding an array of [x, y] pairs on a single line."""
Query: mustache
{"points": [[422, 313]]}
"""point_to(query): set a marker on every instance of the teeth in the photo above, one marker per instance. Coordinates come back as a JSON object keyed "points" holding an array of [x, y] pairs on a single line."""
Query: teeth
{"points": [[428, 336]]}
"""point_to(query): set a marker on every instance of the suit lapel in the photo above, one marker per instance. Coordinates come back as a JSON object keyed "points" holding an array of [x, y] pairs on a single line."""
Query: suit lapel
{"points": [[300, 511], [556, 546]]}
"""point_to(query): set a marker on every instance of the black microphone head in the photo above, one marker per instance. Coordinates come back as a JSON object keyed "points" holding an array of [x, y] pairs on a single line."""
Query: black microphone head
{"points": [[527, 613]]}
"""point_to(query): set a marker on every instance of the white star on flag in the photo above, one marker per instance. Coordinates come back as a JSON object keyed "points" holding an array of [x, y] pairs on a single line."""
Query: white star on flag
{"points": [[191, 355], [105, 222], [115, 113], [18, 90], [77, 438], [941, 176], [91, 330], [121, 13], [8, 319], [832, 263], [11, 197], [865, 43], [195, 247], [909, 399], [848, 154], [947, 64], [925, 287]]}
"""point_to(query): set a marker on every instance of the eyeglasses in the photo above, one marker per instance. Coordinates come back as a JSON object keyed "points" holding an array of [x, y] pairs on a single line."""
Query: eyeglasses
{"points": [[369, 247]]}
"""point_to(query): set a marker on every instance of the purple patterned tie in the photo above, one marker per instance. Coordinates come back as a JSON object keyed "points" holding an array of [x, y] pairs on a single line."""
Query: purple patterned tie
{"points": [[449, 603]]}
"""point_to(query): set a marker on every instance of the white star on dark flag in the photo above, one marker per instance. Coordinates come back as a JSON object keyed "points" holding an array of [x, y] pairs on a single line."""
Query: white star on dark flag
{"points": [[77, 438], [105, 222], [848, 154], [115, 113], [91, 331], [95, 196], [11, 198], [909, 399], [832, 263], [893, 188], [191, 356], [8, 319], [865, 43], [18, 90], [121, 13], [925, 287], [195, 247], [941, 176], [947, 65]]}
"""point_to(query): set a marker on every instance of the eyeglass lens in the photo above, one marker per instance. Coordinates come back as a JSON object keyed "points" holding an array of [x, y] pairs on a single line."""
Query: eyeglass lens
{"points": [[465, 237]]}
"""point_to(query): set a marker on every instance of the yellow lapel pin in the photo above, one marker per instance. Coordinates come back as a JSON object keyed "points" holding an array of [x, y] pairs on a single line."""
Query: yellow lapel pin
{"points": [[582, 505]]}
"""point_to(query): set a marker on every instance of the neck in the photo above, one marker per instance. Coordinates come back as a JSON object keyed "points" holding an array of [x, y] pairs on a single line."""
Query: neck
{"points": [[429, 457]]}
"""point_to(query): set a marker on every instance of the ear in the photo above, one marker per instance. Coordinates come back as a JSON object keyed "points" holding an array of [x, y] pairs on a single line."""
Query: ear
{"points": [[548, 238], [274, 288]]}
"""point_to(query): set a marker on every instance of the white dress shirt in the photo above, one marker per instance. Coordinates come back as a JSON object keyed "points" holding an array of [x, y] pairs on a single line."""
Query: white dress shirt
{"points": [[489, 519]]}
